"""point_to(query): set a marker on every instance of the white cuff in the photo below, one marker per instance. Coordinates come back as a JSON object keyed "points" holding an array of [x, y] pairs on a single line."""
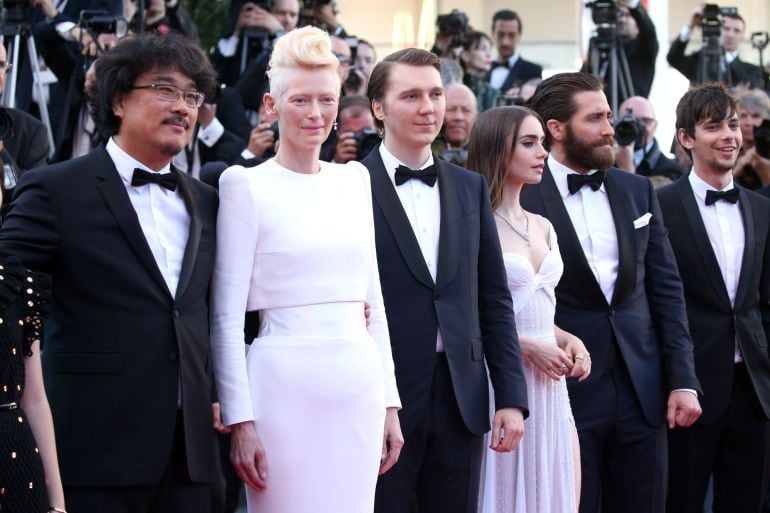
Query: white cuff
{"points": [[211, 134]]}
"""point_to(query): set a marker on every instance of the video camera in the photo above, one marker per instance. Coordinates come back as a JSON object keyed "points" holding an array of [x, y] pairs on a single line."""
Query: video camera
{"points": [[367, 139], [604, 13], [711, 24], [629, 129], [99, 22], [454, 25]]}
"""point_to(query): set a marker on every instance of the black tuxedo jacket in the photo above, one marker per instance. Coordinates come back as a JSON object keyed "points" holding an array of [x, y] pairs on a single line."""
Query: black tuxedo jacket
{"points": [[28, 143], [646, 316], [715, 324], [740, 72], [118, 344], [469, 302], [657, 164], [520, 73]]}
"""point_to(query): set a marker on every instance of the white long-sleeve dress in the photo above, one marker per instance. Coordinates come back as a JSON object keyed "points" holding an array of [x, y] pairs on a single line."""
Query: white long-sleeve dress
{"points": [[300, 249]]}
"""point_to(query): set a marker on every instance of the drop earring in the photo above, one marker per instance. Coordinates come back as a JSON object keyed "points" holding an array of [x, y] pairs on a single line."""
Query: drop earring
{"points": [[334, 126]]}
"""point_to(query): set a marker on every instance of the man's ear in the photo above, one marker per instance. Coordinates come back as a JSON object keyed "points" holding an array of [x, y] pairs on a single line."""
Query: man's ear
{"points": [[378, 110], [556, 129], [118, 104], [684, 139]]}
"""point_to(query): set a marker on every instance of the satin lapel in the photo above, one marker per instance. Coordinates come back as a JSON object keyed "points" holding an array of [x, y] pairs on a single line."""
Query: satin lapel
{"points": [[111, 187], [624, 227], [747, 264], [702, 242], [393, 211], [576, 265], [449, 233], [194, 237]]}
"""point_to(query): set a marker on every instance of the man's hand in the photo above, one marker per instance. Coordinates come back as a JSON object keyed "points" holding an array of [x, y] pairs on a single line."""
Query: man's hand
{"points": [[697, 16], [46, 6], [261, 139], [248, 455], [324, 15], [392, 440], [346, 149], [624, 158], [683, 409], [507, 429], [218, 426], [255, 17]]}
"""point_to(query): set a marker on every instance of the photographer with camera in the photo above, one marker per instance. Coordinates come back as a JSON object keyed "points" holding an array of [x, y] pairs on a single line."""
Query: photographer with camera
{"points": [[723, 32], [752, 169], [355, 126], [511, 70], [459, 117], [637, 150], [451, 30], [363, 58]]}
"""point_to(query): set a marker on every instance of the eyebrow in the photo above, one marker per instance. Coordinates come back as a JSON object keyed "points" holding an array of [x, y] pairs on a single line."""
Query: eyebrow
{"points": [[166, 78]]}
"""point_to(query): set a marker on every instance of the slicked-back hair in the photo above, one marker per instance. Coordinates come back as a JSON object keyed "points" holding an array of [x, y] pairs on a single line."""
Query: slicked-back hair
{"points": [[506, 15], [380, 77], [554, 97], [118, 69], [709, 102], [492, 145]]}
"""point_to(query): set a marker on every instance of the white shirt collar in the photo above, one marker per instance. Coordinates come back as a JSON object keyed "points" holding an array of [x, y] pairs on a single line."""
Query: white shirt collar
{"points": [[559, 172], [699, 187], [513, 58], [125, 163]]}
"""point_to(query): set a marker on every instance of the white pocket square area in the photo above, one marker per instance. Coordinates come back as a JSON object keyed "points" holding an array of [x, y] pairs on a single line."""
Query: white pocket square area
{"points": [[642, 221]]}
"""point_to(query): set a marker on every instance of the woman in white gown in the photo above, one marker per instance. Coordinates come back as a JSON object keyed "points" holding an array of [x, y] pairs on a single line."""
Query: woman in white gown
{"points": [[543, 475], [295, 240]]}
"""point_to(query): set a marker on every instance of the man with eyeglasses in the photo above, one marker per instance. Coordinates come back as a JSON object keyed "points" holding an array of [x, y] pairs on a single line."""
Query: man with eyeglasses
{"points": [[647, 159], [129, 242]]}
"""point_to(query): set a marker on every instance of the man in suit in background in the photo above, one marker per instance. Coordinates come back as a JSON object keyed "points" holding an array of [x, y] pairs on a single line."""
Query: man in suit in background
{"points": [[129, 242], [735, 70], [446, 298], [719, 233], [620, 293], [511, 70]]}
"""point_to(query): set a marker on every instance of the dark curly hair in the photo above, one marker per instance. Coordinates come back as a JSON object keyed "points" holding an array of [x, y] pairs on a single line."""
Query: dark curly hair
{"points": [[118, 69]]}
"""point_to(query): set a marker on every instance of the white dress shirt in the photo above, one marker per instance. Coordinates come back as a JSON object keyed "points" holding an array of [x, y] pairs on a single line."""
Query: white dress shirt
{"points": [[422, 205], [499, 74], [162, 215], [726, 233], [594, 225]]}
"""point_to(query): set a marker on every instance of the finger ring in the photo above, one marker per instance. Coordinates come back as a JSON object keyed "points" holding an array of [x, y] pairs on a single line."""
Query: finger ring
{"points": [[563, 367], [580, 356]]}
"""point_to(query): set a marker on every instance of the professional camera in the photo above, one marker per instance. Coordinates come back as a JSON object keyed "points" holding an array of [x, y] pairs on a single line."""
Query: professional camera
{"points": [[453, 24], [604, 13], [367, 139], [99, 22], [711, 24], [629, 129], [762, 139]]}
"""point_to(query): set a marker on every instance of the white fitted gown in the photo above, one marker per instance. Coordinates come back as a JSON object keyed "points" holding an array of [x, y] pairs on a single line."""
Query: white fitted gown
{"points": [[300, 249], [539, 476]]}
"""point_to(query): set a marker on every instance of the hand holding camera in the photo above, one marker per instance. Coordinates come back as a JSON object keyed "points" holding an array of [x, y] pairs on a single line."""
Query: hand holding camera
{"points": [[261, 139], [254, 16]]}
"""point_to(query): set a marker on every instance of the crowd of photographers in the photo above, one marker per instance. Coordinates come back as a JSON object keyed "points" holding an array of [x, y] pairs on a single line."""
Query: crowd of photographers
{"points": [[54, 42]]}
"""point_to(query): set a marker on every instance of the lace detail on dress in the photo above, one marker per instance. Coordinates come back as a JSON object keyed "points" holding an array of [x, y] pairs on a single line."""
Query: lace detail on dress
{"points": [[36, 294]]}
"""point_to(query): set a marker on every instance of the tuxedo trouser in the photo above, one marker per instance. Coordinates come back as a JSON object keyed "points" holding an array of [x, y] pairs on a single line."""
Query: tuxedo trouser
{"points": [[175, 493], [622, 456], [438, 470], [734, 449]]}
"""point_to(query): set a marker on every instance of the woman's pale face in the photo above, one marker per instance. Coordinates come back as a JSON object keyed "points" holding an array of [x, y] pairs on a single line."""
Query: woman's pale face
{"points": [[478, 59], [528, 159], [307, 108]]}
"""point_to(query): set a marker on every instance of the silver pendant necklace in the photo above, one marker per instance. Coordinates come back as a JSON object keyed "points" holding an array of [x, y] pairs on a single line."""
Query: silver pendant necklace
{"points": [[524, 234]]}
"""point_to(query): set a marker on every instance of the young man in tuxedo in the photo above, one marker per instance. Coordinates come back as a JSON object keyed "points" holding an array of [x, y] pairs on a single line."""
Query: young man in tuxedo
{"points": [[129, 242], [446, 298], [621, 294], [719, 233], [511, 70]]}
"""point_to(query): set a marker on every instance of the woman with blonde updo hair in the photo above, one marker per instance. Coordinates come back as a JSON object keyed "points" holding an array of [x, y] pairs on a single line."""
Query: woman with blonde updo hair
{"points": [[313, 407]]}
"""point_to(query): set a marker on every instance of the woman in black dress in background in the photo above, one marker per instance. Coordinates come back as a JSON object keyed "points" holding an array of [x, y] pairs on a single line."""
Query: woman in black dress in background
{"points": [[29, 472]]}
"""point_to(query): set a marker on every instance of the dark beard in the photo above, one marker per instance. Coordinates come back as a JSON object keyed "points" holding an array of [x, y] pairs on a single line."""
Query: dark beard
{"points": [[588, 155]]}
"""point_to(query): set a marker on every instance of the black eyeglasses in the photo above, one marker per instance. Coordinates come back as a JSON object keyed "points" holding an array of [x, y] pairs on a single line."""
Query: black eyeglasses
{"points": [[171, 93], [7, 66]]}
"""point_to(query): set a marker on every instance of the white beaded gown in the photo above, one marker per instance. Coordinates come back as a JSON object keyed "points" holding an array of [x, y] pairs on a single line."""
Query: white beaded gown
{"points": [[300, 249], [539, 476]]}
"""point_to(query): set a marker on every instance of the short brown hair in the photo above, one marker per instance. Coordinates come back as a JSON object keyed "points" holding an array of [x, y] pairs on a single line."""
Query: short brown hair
{"points": [[553, 98], [492, 144], [705, 102], [380, 77]]}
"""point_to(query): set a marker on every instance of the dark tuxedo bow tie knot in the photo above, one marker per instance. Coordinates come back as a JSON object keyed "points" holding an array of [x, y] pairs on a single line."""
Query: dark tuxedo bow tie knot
{"points": [[499, 64], [142, 177], [427, 175], [576, 181], [714, 196]]}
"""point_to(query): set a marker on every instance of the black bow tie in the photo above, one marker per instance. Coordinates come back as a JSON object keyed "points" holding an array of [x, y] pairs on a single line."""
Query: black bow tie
{"points": [[576, 181], [142, 177], [714, 196], [427, 175], [499, 64]]}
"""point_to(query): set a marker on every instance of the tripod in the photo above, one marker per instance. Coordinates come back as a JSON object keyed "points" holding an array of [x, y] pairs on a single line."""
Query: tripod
{"points": [[18, 32], [607, 60], [712, 66]]}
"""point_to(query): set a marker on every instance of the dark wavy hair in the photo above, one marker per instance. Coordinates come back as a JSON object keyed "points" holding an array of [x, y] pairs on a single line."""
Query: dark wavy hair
{"points": [[118, 69], [709, 102], [492, 145]]}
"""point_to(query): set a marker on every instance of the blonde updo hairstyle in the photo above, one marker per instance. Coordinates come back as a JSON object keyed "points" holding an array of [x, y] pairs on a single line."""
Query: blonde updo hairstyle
{"points": [[305, 47]]}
